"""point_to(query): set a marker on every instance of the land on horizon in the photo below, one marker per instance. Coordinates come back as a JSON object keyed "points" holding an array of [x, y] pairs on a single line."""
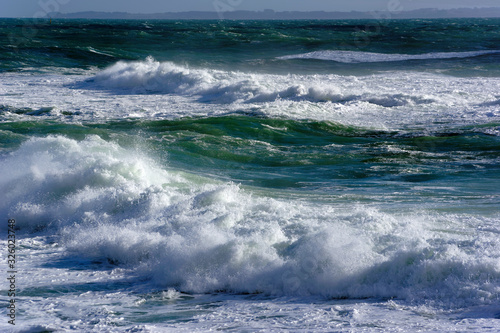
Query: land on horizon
{"points": [[269, 14]]}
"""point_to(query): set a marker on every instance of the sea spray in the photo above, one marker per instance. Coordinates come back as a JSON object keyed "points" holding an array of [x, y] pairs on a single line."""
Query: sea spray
{"points": [[203, 237]]}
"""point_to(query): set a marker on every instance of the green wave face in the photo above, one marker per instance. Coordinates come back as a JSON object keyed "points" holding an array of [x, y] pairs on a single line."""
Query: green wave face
{"points": [[284, 153]]}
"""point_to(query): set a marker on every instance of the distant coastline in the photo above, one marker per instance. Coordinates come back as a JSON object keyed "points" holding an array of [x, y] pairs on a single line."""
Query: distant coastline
{"points": [[289, 15]]}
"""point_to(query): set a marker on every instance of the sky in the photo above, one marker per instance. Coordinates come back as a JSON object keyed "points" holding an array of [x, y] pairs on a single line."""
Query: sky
{"points": [[36, 8]]}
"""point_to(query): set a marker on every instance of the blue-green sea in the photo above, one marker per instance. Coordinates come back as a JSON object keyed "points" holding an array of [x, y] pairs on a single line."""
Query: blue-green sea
{"points": [[251, 176]]}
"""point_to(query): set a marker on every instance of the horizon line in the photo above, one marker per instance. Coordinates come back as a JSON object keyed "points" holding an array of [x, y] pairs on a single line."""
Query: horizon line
{"points": [[269, 13]]}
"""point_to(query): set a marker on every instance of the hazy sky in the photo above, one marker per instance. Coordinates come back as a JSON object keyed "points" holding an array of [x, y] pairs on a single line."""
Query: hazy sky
{"points": [[31, 8]]}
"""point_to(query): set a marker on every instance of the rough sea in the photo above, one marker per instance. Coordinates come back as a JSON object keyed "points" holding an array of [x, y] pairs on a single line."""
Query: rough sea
{"points": [[250, 176]]}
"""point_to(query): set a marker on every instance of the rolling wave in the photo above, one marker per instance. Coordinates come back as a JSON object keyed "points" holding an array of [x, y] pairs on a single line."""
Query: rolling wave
{"points": [[215, 86], [367, 57], [106, 201]]}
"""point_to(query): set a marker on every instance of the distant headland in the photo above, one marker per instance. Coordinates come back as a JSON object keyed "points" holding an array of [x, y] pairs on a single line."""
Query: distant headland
{"points": [[289, 15]]}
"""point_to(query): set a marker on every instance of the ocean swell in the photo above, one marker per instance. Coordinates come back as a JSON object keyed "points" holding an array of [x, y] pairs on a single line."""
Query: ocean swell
{"points": [[368, 57]]}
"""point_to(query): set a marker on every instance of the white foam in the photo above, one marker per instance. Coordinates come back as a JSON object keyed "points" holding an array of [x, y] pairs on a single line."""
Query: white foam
{"points": [[368, 57], [211, 86], [105, 202], [153, 90]]}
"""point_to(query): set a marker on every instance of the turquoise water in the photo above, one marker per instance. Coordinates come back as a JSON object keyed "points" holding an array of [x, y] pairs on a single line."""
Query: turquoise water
{"points": [[252, 175]]}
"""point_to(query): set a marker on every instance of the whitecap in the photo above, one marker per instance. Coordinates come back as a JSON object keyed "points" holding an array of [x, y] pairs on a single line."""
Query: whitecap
{"points": [[367, 57]]}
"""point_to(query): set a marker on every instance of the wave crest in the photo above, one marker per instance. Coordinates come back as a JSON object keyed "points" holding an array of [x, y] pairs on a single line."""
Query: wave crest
{"points": [[367, 57], [105, 201], [214, 86]]}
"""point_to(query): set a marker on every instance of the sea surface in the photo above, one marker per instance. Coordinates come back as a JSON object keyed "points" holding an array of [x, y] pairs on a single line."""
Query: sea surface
{"points": [[251, 176]]}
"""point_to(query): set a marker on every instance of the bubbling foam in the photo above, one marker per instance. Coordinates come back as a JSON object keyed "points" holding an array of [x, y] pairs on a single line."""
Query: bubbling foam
{"points": [[387, 100], [211, 86], [197, 235], [163, 90]]}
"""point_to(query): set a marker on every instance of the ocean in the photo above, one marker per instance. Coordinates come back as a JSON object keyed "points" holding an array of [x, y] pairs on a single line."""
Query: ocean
{"points": [[250, 176]]}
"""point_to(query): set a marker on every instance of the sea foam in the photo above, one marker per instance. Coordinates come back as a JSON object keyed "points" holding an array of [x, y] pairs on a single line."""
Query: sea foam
{"points": [[368, 57], [223, 87], [194, 234], [205, 85], [164, 90], [208, 85]]}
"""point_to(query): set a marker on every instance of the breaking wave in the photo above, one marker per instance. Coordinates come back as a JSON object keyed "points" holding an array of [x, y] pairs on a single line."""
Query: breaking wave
{"points": [[213, 86], [367, 57], [199, 235]]}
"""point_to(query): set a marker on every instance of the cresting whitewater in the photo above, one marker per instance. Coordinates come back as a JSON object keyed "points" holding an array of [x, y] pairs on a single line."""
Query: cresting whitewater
{"points": [[252, 175]]}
